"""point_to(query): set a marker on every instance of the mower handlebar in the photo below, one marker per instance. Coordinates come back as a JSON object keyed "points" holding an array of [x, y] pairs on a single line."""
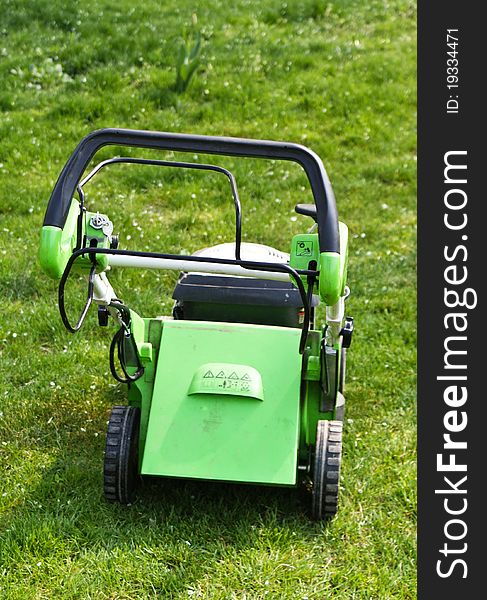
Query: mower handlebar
{"points": [[66, 185]]}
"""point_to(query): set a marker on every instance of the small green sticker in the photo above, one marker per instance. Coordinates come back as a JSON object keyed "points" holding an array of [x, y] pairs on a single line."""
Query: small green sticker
{"points": [[304, 248]]}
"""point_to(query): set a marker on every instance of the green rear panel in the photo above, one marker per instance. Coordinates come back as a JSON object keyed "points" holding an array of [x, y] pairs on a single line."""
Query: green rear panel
{"points": [[198, 430]]}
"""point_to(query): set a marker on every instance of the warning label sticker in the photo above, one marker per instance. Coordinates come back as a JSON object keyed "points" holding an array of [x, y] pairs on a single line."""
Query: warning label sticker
{"points": [[227, 379]]}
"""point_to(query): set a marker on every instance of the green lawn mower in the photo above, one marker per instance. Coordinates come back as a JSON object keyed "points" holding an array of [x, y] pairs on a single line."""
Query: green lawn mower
{"points": [[239, 384]]}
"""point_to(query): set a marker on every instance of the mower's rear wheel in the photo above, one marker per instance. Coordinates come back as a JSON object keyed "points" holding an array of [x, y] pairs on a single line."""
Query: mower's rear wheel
{"points": [[120, 473], [326, 469]]}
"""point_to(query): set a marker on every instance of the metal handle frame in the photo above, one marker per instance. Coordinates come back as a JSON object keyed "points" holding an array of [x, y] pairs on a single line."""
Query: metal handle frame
{"points": [[181, 165]]}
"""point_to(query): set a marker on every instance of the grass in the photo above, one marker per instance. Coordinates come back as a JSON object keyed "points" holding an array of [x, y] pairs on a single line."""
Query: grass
{"points": [[338, 76]]}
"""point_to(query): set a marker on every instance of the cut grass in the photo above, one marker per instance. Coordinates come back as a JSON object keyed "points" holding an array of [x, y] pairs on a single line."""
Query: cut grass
{"points": [[338, 76]]}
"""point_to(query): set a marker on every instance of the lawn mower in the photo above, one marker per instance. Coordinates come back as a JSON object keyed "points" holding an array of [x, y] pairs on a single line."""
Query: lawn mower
{"points": [[239, 384]]}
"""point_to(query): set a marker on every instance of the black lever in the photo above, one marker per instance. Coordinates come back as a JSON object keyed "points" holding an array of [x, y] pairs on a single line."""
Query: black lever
{"points": [[347, 332], [308, 210]]}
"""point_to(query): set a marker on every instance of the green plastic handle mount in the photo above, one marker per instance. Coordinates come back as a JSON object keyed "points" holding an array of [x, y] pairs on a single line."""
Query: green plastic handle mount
{"points": [[333, 270], [57, 245]]}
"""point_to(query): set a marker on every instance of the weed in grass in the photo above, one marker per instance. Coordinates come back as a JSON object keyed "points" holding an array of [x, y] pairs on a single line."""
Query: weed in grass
{"points": [[188, 57]]}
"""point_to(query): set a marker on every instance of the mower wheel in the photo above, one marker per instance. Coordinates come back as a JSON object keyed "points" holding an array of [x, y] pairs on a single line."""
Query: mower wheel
{"points": [[120, 473], [326, 469]]}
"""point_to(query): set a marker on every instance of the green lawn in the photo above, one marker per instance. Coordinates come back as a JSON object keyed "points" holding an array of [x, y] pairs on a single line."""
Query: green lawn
{"points": [[336, 75]]}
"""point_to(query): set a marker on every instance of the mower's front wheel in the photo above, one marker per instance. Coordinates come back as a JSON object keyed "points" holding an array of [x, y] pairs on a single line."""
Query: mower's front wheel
{"points": [[326, 469], [120, 473]]}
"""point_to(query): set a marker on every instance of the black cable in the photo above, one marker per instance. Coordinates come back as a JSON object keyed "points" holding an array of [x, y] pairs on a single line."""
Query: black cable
{"points": [[89, 298], [120, 338], [119, 341]]}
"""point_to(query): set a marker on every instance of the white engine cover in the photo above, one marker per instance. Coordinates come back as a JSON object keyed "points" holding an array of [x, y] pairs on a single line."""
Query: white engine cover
{"points": [[248, 251]]}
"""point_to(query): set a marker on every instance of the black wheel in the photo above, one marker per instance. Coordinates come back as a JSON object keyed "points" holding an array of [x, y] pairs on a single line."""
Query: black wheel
{"points": [[326, 469], [121, 468], [343, 369]]}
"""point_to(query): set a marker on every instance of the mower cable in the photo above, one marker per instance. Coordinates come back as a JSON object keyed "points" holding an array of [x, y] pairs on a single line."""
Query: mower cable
{"points": [[121, 337], [89, 298]]}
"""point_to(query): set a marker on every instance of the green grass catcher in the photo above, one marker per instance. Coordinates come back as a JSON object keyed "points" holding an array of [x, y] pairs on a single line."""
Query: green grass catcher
{"points": [[239, 384]]}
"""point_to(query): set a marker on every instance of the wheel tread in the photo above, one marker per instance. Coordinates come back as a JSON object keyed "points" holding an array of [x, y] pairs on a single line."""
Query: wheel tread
{"points": [[121, 443], [326, 472]]}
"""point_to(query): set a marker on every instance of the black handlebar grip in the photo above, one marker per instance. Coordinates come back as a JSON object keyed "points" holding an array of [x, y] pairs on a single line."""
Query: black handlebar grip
{"points": [[327, 219]]}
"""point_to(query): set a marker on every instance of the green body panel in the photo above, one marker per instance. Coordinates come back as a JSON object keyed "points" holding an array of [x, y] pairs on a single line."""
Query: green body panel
{"points": [[147, 334], [223, 436], [312, 393]]}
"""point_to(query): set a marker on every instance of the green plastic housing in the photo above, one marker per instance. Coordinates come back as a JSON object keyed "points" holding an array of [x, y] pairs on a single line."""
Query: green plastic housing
{"points": [[333, 270], [305, 248], [331, 265], [57, 245]]}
